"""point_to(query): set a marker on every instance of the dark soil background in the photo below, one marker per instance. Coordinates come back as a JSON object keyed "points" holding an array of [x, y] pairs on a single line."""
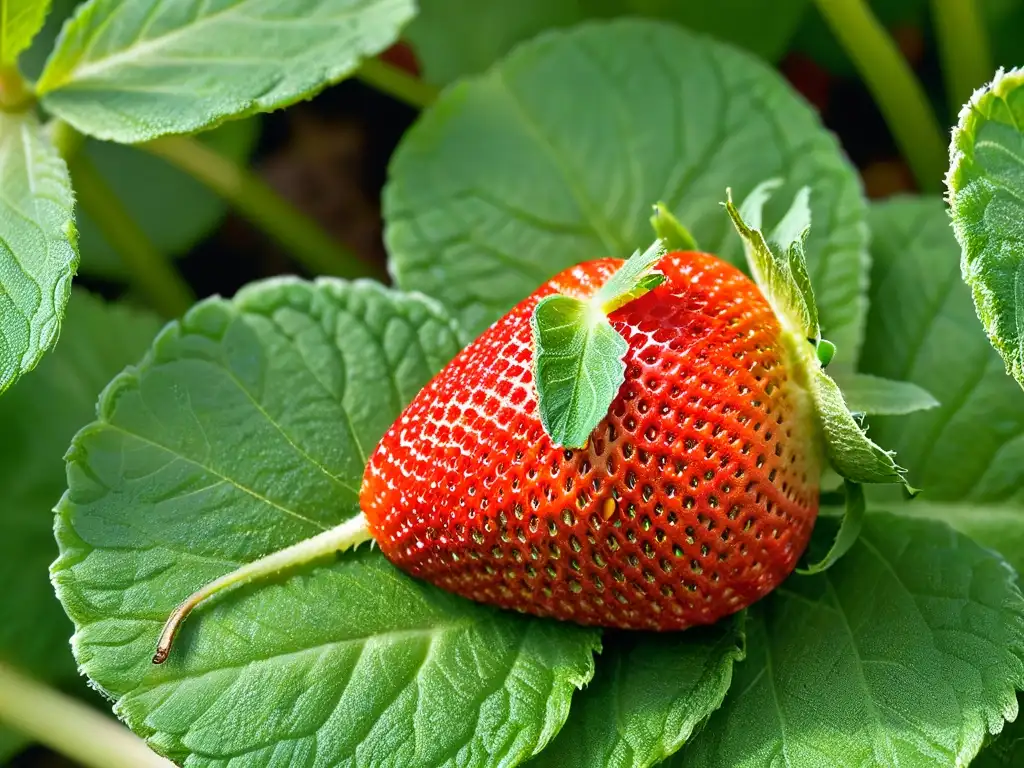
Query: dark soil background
{"points": [[329, 157]]}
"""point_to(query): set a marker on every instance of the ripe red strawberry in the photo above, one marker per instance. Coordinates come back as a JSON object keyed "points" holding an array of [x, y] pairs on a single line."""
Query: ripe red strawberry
{"points": [[695, 496]]}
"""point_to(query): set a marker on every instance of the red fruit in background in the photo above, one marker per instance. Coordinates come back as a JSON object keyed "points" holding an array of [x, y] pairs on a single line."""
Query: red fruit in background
{"points": [[695, 496]]}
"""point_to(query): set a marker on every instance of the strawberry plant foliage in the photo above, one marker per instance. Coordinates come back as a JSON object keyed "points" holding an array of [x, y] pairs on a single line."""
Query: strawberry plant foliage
{"points": [[454, 38], [245, 428], [38, 244], [40, 415], [650, 694], [986, 196], [496, 188], [133, 70], [20, 20], [909, 648]]}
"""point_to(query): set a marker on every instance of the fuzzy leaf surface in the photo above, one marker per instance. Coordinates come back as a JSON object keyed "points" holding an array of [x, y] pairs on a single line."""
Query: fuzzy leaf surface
{"points": [[38, 244], [496, 188], [133, 70], [906, 652], [455, 38], [40, 415], [245, 429], [986, 195], [650, 693]]}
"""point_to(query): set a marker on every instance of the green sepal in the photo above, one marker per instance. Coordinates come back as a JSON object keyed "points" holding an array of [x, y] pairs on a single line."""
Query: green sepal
{"points": [[853, 454], [849, 530], [778, 263], [670, 230]]}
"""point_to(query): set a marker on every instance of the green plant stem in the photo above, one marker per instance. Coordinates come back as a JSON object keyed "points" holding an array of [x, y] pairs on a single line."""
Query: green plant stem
{"points": [[150, 271], [963, 47], [70, 727], [261, 205], [894, 87], [347, 535], [396, 82]]}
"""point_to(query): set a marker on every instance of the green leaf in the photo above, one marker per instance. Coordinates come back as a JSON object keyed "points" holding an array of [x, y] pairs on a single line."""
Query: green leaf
{"points": [[454, 38], [578, 365], [133, 70], [669, 229], [986, 198], [849, 530], [777, 263], [38, 249], [497, 187], [40, 415], [650, 693], [922, 328], [850, 451], [906, 652], [245, 429], [20, 20], [865, 393], [1008, 749], [173, 209]]}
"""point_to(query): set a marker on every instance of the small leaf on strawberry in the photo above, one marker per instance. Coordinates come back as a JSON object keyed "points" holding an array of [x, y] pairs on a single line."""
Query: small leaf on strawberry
{"points": [[577, 355], [579, 368]]}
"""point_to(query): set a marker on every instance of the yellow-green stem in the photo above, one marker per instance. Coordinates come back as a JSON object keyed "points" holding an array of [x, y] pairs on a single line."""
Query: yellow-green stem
{"points": [[347, 535], [396, 82], [963, 47], [160, 282], [261, 205], [70, 727], [894, 87]]}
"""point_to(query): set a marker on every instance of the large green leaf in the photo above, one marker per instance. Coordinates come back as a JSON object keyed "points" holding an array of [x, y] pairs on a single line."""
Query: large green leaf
{"points": [[922, 328], [132, 70], [173, 209], [454, 38], [505, 181], [986, 196], [650, 693], [247, 428], [38, 250], [906, 652], [38, 418], [20, 20]]}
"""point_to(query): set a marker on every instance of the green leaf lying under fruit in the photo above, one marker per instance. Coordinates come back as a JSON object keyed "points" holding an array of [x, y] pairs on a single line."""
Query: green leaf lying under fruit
{"points": [[635, 445]]}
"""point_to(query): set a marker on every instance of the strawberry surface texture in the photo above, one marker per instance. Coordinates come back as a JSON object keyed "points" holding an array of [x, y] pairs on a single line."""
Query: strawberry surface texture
{"points": [[693, 498]]}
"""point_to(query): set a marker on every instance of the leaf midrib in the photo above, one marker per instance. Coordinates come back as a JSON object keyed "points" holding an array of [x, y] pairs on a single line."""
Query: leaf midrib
{"points": [[137, 50]]}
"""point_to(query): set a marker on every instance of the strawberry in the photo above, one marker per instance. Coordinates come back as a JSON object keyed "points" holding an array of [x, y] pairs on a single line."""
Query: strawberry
{"points": [[694, 497], [635, 445]]}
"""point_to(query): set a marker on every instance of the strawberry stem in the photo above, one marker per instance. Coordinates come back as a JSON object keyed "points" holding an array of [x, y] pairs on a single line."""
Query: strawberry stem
{"points": [[349, 534]]}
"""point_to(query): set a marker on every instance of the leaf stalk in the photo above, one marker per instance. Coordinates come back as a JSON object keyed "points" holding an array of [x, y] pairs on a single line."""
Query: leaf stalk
{"points": [[252, 197], [397, 83], [348, 535], [70, 727], [963, 48], [150, 270], [894, 87]]}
